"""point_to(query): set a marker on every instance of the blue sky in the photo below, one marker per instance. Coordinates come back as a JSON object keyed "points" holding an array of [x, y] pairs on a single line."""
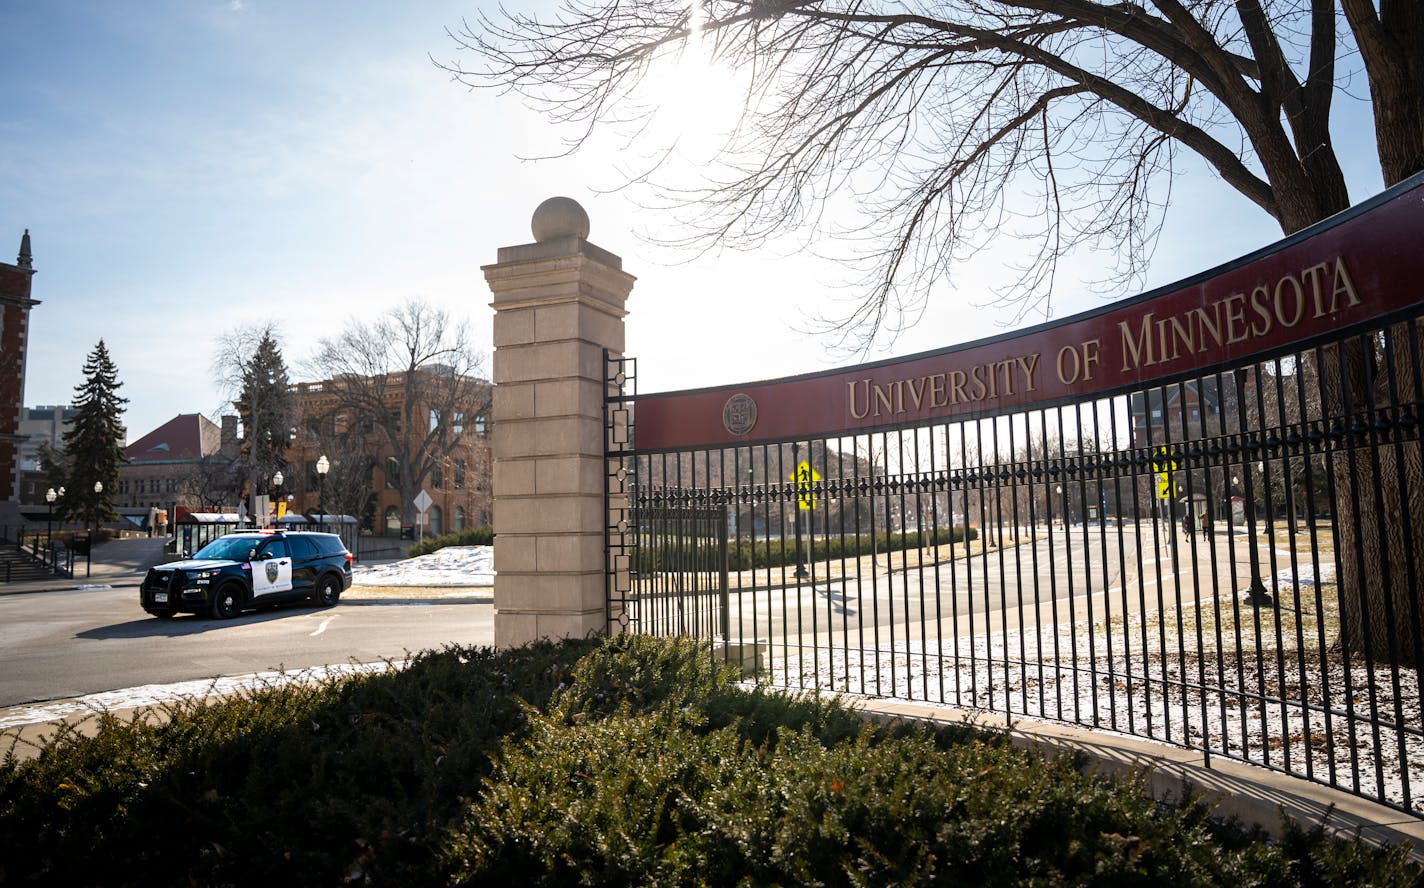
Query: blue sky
{"points": [[188, 166]]}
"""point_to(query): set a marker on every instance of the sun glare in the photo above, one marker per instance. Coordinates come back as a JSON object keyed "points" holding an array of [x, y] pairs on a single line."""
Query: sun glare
{"points": [[696, 100]]}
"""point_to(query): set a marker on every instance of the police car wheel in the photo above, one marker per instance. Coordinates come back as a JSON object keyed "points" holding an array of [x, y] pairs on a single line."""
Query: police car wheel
{"points": [[225, 603], [327, 592]]}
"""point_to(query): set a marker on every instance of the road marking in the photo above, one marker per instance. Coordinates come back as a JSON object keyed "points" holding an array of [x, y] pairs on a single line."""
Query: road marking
{"points": [[322, 628]]}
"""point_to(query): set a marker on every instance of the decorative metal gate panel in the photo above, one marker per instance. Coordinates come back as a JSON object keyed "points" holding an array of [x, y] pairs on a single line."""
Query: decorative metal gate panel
{"points": [[1196, 516]]}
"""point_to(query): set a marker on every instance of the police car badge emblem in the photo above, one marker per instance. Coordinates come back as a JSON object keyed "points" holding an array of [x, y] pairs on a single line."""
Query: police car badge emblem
{"points": [[271, 567]]}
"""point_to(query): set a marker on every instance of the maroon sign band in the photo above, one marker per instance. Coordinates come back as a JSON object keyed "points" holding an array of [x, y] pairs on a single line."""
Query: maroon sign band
{"points": [[1361, 265]]}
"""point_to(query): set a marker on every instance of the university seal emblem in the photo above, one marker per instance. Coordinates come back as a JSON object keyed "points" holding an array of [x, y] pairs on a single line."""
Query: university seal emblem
{"points": [[271, 568], [739, 414]]}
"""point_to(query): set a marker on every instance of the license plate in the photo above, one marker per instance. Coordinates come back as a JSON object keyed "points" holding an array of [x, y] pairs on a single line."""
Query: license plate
{"points": [[160, 598]]}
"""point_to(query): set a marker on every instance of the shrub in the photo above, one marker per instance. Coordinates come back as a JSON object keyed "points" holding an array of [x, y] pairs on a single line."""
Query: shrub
{"points": [[624, 760], [474, 536], [746, 554]]}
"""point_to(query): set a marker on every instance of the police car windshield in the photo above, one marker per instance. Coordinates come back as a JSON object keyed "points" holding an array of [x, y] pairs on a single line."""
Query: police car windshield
{"points": [[228, 549]]}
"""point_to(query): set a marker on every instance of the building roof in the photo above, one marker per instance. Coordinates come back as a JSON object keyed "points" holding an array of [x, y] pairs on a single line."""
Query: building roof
{"points": [[186, 436]]}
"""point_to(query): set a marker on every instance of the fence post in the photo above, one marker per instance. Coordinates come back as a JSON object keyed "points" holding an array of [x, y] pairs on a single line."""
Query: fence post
{"points": [[558, 305]]}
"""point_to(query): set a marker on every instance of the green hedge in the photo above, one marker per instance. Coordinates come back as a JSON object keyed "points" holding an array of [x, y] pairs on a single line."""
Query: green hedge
{"points": [[614, 762], [475, 536], [745, 554]]}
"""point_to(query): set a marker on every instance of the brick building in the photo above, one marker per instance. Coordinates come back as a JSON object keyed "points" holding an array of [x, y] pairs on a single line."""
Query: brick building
{"points": [[459, 485], [15, 305], [180, 463]]}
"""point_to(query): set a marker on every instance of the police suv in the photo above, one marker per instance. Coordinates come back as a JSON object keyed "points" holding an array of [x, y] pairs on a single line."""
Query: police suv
{"points": [[250, 569]]}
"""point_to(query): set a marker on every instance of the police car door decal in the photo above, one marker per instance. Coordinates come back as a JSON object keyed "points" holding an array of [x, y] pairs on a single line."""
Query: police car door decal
{"points": [[272, 575]]}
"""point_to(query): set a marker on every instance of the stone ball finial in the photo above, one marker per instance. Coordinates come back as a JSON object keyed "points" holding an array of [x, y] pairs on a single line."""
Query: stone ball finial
{"points": [[559, 217]]}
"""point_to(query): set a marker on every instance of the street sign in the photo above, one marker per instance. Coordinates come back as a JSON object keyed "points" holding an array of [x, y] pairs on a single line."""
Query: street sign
{"points": [[422, 502], [1162, 463], [1165, 488], [805, 476]]}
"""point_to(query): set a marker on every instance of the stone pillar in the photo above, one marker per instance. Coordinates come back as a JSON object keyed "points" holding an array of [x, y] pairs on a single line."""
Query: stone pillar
{"points": [[558, 304]]}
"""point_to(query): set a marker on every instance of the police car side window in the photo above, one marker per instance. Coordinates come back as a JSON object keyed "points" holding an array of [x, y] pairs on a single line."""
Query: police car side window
{"points": [[274, 549], [302, 548]]}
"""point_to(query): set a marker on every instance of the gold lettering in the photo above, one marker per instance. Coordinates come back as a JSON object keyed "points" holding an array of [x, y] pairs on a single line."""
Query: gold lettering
{"points": [[1090, 356], [1299, 302], [1236, 315], [1184, 335], [1312, 274], [1028, 366], [956, 387], [937, 395], [1205, 326], [851, 393], [976, 375], [917, 394], [1133, 350], [882, 398], [1077, 365], [1262, 310], [1343, 284]]}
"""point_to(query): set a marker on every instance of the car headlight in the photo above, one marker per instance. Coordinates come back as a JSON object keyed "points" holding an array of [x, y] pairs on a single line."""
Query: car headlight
{"points": [[203, 575]]}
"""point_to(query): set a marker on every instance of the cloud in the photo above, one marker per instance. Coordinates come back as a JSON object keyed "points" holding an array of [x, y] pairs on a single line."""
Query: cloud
{"points": [[237, 6]]}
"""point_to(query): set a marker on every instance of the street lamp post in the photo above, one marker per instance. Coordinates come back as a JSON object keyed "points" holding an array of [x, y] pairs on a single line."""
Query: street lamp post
{"points": [[50, 497], [1256, 593], [323, 465], [277, 480], [89, 559]]}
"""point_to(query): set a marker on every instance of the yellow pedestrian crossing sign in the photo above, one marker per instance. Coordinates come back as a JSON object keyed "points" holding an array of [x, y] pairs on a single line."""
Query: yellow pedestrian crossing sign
{"points": [[805, 476], [1162, 463], [1166, 489]]}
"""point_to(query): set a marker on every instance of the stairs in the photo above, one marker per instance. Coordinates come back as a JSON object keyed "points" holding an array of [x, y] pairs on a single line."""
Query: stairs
{"points": [[18, 567]]}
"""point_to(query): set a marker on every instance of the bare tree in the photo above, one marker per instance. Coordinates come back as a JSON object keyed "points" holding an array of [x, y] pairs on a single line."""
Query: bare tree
{"points": [[212, 482], [950, 121], [947, 122], [412, 378], [346, 489]]}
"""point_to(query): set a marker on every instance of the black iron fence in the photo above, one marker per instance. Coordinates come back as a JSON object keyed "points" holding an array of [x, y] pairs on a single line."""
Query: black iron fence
{"points": [[1225, 560]]}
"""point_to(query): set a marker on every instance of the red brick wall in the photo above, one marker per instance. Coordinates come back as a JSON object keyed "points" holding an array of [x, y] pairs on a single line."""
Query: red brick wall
{"points": [[14, 332]]}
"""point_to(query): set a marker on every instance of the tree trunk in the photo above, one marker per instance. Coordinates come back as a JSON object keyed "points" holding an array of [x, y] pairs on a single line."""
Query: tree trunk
{"points": [[1379, 494]]}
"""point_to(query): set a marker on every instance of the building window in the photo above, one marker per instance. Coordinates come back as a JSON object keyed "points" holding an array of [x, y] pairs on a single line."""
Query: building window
{"points": [[393, 521], [481, 424], [457, 423], [434, 419], [459, 474], [392, 473], [437, 476], [459, 518], [436, 519]]}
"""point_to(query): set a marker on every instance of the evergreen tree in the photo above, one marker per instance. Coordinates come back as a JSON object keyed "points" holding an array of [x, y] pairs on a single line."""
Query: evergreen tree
{"points": [[267, 409], [94, 444]]}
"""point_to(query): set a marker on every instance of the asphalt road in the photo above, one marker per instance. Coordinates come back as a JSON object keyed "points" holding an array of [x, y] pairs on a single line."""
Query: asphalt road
{"points": [[62, 644]]}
